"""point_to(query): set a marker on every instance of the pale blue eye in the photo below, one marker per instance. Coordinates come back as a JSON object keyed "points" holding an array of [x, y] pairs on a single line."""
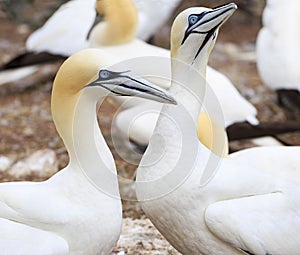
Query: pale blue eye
{"points": [[104, 74], [193, 19]]}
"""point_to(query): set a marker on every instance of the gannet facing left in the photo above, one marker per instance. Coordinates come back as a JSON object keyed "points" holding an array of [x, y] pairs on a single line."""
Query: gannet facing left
{"points": [[78, 210], [247, 203]]}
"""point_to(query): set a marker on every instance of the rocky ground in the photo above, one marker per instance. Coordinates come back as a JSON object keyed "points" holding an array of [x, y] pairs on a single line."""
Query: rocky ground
{"points": [[30, 148]]}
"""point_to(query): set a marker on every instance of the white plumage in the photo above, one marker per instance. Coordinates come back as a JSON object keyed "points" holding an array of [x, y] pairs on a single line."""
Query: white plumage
{"points": [[138, 122], [246, 203], [67, 214], [277, 48], [77, 211], [152, 15], [65, 32]]}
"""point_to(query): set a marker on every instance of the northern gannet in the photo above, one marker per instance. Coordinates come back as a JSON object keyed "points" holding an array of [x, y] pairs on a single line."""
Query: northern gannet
{"points": [[78, 210], [115, 36], [247, 203], [131, 120], [277, 47], [81, 15]]}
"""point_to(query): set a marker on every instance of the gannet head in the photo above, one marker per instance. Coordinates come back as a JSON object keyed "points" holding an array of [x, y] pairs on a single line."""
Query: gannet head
{"points": [[82, 72], [194, 32]]}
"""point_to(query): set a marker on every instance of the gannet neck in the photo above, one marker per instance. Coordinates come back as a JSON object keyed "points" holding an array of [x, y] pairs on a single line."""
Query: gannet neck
{"points": [[66, 91], [120, 25], [92, 154], [188, 86], [74, 115], [88, 152]]}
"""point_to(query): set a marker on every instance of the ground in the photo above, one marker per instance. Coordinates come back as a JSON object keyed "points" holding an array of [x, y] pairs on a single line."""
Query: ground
{"points": [[25, 116]]}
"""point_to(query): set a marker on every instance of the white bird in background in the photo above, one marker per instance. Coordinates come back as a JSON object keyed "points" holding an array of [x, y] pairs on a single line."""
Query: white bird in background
{"points": [[65, 38], [65, 32], [247, 203], [278, 52], [78, 210], [152, 15]]}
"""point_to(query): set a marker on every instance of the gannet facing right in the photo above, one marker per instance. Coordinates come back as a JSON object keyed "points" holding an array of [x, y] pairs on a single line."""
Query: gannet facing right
{"points": [[78, 210], [247, 203]]}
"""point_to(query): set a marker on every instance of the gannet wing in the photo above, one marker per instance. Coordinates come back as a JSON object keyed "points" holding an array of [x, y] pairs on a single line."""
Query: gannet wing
{"points": [[20, 239], [258, 225], [32, 203]]}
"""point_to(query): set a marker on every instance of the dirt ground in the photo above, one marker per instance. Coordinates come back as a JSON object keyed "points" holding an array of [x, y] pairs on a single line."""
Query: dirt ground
{"points": [[25, 118]]}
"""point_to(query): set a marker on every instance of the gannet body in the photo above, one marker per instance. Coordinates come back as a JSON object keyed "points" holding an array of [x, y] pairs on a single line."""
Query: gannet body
{"points": [[66, 30], [277, 45], [78, 210], [246, 203]]}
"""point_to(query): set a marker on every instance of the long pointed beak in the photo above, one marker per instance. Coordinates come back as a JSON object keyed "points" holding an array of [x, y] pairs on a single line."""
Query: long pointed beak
{"points": [[127, 84], [136, 86], [219, 15]]}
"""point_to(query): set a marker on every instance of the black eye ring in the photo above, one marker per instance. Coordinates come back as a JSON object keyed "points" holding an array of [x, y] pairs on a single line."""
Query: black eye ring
{"points": [[104, 74], [193, 19]]}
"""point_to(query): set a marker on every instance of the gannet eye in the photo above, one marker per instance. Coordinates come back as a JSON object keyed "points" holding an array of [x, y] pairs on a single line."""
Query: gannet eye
{"points": [[193, 19], [104, 74]]}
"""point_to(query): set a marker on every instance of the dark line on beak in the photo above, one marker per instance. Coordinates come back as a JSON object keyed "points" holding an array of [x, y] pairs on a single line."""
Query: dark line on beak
{"points": [[131, 88], [143, 84], [212, 18]]}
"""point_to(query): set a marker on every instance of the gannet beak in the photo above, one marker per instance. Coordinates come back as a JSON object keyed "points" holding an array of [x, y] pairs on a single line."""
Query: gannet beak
{"points": [[209, 21], [126, 84], [219, 15]]}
